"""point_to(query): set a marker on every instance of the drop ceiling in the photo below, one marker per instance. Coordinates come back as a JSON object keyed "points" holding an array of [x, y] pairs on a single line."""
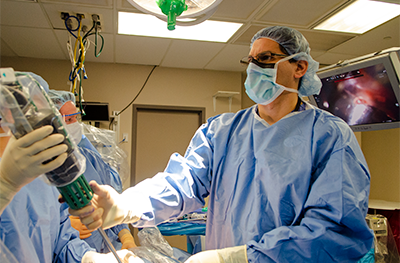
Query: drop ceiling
{"points": [[34, 29]]}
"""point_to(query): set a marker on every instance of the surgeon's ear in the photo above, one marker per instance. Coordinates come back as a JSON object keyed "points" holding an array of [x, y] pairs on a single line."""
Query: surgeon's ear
{"points": [[302, 66]]}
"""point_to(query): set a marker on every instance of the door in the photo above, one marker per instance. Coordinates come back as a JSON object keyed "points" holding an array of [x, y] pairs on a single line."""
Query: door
{"points": [[158, 132]]}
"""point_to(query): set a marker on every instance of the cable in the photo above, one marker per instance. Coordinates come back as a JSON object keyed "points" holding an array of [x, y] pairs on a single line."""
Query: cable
{"points": [[70, 30], [80, 93], [95, 45], [144, 84], [78, 53]]}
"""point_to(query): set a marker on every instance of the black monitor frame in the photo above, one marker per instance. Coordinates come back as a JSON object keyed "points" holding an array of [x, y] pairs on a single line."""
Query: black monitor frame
{"points": [[95, 111], [390, 61]]}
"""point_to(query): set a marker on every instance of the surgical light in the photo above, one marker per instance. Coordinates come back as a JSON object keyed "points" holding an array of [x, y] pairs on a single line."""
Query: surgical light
{"points": [[176, 12], [360, 16]]}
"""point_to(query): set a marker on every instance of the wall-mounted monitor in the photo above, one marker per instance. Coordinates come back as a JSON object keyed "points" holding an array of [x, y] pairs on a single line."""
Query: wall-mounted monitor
{"points": [[95, 111], [364, 93]]}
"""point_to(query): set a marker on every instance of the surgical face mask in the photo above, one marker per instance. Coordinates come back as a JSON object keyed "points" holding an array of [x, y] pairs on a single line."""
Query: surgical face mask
{"points": [[75, 131], [261, 84]]}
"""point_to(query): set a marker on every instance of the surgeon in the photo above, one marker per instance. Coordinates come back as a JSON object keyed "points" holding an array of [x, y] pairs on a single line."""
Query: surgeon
{"points": [[287, 182], [96, 169]]}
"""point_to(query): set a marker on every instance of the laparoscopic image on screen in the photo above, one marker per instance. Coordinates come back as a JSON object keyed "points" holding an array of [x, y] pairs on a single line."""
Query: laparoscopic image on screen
{"points": [[362, 96]]}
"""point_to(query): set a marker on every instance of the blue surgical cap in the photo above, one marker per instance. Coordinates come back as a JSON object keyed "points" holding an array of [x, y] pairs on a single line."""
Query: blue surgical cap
{"points": [[290, 39], [297, 46], [60, 97]]}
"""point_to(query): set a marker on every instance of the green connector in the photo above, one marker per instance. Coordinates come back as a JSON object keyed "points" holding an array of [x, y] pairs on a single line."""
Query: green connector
{"points": [[172, 9], [77, 194]]}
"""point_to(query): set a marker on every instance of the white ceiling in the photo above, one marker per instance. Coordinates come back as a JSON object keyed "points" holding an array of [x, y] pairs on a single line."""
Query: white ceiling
{"points": [[35, 29]]}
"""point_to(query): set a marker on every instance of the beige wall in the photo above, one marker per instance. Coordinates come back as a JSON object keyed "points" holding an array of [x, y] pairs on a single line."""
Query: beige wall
{"points": [[118, 84], [382, 152]]}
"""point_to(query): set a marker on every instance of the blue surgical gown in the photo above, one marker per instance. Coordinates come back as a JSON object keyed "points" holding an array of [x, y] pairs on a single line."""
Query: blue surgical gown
{"points": [[294, 191], [102, 173], [36, 230]]}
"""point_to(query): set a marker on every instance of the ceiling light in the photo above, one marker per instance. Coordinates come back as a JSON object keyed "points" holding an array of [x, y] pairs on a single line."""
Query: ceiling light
{"points": [[360, 16], [151, 26]]}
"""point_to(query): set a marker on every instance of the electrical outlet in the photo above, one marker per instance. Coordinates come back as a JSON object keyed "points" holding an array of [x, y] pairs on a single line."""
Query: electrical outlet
{"points": [[86, 19], [81, 16], [64, 15], [96, 18], [125, 137]]}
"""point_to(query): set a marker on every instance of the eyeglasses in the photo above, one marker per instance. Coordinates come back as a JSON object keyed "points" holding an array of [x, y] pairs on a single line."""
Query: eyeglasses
{"points": [[71, 118], [262, 60]]}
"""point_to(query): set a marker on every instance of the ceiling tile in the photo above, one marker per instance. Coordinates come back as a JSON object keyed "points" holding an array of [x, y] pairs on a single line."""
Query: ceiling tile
{"points": [[237, 9], [32, 42], [228, 59], [330, 58], [382, 37], [322, 40], [5, 50], [190, 54], [54, 13], [389, 1], [247, 35], [14, 13], [103, 3], [124, 4], [298, 13], [140, 50]]}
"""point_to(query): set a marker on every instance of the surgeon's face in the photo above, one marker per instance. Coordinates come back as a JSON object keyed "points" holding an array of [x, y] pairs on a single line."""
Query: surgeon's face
{"points": [[285, 72], [68, 111]]}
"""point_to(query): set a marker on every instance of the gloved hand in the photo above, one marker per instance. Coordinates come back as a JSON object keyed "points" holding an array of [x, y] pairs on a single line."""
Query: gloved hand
{"points": [[125, 255], [77, 224], [107, 208], [226, 255], [126, 239], [22, 160]]}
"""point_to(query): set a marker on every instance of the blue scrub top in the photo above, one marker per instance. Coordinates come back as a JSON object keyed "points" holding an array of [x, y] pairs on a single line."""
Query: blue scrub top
{"points": [[36, 230], [294, 191]]}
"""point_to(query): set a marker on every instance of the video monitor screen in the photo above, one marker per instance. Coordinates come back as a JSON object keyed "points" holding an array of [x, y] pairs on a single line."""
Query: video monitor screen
{"points": [[361, 96], [95, 111]]}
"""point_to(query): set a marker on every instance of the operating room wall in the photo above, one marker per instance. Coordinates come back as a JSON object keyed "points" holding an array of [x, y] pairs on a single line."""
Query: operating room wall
{"points": [[382, 152], [118, 84]]}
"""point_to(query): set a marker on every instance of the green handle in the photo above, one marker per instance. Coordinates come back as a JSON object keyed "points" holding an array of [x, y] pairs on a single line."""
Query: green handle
{"points": [[172, 9], [77, 194]]}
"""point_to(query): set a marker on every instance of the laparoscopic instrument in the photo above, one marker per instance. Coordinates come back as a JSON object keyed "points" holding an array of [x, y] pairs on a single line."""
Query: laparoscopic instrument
{"points": [[24, 107]]}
